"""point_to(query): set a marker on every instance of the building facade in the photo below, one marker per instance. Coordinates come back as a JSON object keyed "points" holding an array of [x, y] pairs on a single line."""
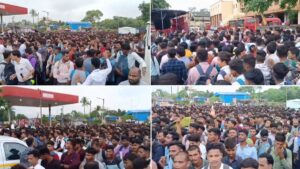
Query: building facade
{"points": [[220, 11]]}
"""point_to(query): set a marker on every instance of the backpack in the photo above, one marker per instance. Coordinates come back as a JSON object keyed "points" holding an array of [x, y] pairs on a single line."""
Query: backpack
{"points": [[284, 152], [215, 79], [203, 76], [9, 69], [269, 141]]}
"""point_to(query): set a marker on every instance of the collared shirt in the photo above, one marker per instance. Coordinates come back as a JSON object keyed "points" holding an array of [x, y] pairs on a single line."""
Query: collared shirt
{"points": [[132, 57], [23, 69], [194, 75], [235, 164], [73, 160], [98, 77], [62, 71], [154, 66], [177, 67], [221, 167], [38, 166], [285, 163], [246, 152], [185, 60]]}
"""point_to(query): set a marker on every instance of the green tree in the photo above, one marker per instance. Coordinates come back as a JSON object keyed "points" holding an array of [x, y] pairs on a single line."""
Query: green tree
{"points": [[160, 4], [260, 6], [21, 116], [92, 16], [145, 10], [33, 14], [84, 101], [248, 89]]}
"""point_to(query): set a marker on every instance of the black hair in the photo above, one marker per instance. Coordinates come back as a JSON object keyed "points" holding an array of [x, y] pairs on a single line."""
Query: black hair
{"points": [[50, 143], [6, 54], [28, 50], [180, 51], [230, 143], [194, 147], [269, 158], [255, 76], [280, 70], [34, 153], [249, 60], [264, 132], [228, 48], [261, 56], [184, 45], [163, 45], [202, 55], [91, 150], [271, 47], [225, 56], [193, 47], [244, 131], [16, 53], [44, 151], [239, 49], [91, 165], [178, 144], [194, 137], [29, 141], [172, 53], [249, 163], [282, 51], [96, 62], [110, 147], [237, 65], [175, 135], [280, 137], [126, 46], [295, 51], [79, 62], [215, 146], [216, 131]]}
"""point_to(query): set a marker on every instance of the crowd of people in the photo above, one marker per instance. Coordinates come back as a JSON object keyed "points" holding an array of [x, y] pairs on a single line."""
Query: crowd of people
{"points": [[72, 58], [226, 57], [107, 146], [226, 137]]}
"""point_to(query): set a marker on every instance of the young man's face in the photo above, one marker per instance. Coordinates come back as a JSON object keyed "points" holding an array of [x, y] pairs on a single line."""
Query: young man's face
{"points": [[135, 147], [169, 139], [161, 137], [32, 160], [109, 153], [214, 157], [134, 77], [279, 145], [89, 157], [173, 151], [194, 156], [263, 164], [232, 134], [194, 143], [180, 163], [142, 153], [231, 152], [50, 147], [242, 137], [212, 137], [253, 132], [66, 57]]}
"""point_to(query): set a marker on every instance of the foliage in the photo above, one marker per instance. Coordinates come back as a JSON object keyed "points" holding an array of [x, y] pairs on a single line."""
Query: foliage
{"points": [[21, 116], [119, 21], [145, 10], [92, 16], [84, 101], [33, 14], [160, 4], [261, 6]]}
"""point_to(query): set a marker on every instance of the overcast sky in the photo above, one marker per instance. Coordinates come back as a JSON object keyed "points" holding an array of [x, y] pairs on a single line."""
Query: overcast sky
{"points": [[74, 10], [116, 97], [186, 4]]}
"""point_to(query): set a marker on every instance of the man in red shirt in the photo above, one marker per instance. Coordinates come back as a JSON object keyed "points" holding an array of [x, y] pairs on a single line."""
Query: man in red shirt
{"points": [[70, 159]]}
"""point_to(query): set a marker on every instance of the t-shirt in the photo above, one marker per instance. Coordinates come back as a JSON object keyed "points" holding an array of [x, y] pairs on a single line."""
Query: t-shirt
{"points": [[78, 73], [54, 164]]}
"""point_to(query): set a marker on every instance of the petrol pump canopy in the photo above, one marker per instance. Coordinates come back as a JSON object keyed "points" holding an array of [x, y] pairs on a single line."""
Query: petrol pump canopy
{"points": [[19, 96], [7, 9]]}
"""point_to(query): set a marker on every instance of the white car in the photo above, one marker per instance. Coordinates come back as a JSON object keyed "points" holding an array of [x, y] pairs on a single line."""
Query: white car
{"points": [[10, 151]]}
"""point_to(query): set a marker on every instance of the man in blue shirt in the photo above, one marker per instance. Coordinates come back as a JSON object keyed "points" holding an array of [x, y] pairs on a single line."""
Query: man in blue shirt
{"points": [[231, 158], [175, 66], [243, 149]]}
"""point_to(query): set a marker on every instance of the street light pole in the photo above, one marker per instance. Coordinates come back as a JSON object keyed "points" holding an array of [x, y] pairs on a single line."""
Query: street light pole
{"points": [[102, 106]]}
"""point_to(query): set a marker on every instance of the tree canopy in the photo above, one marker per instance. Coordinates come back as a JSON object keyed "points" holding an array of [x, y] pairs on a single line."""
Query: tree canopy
{"points": [[92, 16]]}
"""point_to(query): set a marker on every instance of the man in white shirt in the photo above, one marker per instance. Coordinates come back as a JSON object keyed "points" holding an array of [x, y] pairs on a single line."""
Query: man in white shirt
{"points": [[2, 49], [62, 69], [132, 57], [98, 76], [22, 47], [24, 69], [33, 159]]}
